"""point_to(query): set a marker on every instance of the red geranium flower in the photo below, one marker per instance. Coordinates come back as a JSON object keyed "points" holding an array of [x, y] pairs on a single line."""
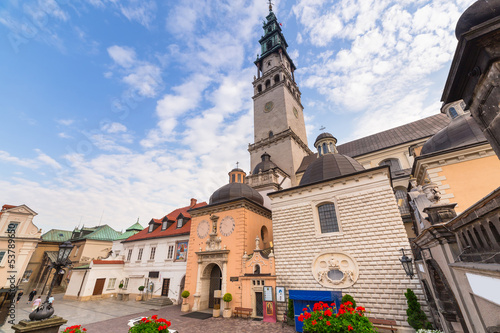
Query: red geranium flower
{"points": [[349, 328]]}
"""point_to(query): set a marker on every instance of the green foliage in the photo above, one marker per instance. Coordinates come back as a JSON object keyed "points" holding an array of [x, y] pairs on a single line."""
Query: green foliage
{"points": [[416, 316], [150, 325], [322, 318], [120, 285], [185, 294], [290, 313], [141, 288], [227, 297], [348, 298]]}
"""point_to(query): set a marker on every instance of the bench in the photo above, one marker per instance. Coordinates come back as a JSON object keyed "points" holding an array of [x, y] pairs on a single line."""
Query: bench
{"points": [[387, 324], [242, 312]]}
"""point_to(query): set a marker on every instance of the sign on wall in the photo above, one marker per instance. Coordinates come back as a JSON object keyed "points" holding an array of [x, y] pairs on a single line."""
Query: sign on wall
{"points": [[268, 294], [280, 294], [181, 251]]}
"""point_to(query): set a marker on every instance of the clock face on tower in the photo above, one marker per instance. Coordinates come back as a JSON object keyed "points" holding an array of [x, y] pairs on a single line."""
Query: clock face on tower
{"points": [[227, 226], [268, 107], [203, 229]]}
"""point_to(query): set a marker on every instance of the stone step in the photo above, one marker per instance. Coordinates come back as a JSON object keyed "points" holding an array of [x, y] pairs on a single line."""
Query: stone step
{"points": [[159, 301]]}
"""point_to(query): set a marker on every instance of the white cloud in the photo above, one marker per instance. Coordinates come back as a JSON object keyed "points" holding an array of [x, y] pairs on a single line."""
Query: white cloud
{"points": [[142, 77], [46, 159], [65, 122], [6, 157], [64, 135], [122, 55], [113, 127], [141, 11]]}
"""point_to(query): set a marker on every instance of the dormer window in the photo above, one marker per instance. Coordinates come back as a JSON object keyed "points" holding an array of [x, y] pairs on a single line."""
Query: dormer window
{"points": [[151, 227], [164, 225], [180, 221]]}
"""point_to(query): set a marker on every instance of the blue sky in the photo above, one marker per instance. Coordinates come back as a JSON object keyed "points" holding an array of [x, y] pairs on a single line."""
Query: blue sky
{"points": [[114, 110]]}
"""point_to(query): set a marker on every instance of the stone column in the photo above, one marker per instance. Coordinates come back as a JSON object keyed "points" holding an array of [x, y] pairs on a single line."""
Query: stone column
{"points": [[197, 294]]}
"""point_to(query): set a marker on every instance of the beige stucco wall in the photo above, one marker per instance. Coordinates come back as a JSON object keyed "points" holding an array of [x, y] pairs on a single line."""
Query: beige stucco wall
{"points": [[27, 236], [467, 182], [372, 233], [247, 227]]}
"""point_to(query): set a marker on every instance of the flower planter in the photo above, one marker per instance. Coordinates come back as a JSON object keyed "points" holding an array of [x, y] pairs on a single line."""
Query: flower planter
{"points": [[185, 307], [138, 298], [216, 313], [227, 313]]}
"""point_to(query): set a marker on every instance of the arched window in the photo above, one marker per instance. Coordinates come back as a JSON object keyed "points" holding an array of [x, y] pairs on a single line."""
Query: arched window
{"points": [[276, 78], [478, 237], [264, 234], [259, 88], [472, 240], [402, 199], [393, 163], [239, 178], [256, 269], [268, 83], [465, 239], [453, 113], [269, 45], [325, 149], [328, 218], [233, 178], [319, 150], [494, 231], [486, 237]]}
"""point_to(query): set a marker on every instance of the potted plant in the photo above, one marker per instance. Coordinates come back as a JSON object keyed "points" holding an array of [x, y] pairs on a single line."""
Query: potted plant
{"points": [[227, 309], [150, 324], [120, 294], [139, 297], [75, 329], [185, 305]]}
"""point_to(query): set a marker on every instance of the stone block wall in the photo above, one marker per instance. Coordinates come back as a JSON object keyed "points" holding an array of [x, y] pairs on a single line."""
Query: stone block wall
{"points": [[372, 233]]}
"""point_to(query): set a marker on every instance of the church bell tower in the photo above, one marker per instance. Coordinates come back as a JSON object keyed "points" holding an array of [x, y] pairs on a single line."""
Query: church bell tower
{"points": [[279, 127]]}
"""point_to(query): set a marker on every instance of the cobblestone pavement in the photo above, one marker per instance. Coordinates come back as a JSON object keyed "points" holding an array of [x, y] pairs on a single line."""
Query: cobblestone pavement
{"points": [[191, 325], [111, 316]]}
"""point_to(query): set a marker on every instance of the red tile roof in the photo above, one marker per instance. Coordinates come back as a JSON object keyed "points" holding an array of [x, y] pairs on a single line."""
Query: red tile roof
{"points": [[5, 207], [172, 230], [107, 262]]}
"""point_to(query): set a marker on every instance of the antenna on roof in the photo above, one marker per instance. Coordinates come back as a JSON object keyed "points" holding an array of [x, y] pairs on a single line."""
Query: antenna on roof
{"points": [[101, 217]]}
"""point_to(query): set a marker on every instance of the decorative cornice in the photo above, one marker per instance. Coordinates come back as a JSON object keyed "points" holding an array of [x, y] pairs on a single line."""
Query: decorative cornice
{"points": [[353, 177], [231, 205], [451, 156], [288, 133]]}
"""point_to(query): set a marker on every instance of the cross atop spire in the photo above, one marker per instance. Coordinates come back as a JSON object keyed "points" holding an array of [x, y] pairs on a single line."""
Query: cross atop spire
{"points": [[237, 163], [270, 6]]}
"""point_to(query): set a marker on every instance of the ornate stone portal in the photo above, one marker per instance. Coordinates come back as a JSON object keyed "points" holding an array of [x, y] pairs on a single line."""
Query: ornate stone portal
{"points": [[335, 269]]}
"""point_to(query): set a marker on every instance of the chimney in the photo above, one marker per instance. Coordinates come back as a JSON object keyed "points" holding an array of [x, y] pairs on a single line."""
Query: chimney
{"points": [[193, 202]]}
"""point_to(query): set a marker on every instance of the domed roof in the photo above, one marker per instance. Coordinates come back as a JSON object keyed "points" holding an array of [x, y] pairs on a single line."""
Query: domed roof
{"points": [[265, 165], [330, 166], [236, 190], [479, 12], [324, 135], [461, 131]]}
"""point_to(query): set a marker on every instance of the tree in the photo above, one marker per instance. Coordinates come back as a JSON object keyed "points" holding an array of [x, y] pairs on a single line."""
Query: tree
{"points": [[416, 316]]}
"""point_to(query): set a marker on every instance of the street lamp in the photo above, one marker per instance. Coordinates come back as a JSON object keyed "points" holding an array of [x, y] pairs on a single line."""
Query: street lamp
{"points": [[45, 310], [407, 264]]}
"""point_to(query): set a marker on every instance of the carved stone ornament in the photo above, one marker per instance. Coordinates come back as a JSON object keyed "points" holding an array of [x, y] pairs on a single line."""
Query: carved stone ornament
{"points": [[335, 269]]}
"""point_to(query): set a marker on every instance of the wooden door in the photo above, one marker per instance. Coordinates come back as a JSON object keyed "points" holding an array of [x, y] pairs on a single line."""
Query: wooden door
{"points": [[99, 286], [165, 287]]}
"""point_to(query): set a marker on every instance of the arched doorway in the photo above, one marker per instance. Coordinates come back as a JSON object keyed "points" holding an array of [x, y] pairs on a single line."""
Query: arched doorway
{"points": [[181, 289], [215, 284]]}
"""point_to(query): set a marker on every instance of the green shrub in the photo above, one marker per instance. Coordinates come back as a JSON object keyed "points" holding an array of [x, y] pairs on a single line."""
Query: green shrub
{"points": [[185, 294], [348, 298], [416, 316], [290, 313], [227, 297], [141, 288], [120, 285]]}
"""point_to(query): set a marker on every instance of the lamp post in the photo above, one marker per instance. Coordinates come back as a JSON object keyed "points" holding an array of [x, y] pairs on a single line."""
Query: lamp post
{"points": [[45, 310], [407, 264]]}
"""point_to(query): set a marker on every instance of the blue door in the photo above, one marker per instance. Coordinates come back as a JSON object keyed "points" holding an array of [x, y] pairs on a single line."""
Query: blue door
{"points": [[304, 298]]}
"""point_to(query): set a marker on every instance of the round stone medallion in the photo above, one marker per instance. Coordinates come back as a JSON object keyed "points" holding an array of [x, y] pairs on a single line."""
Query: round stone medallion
{"points": [[335, 269]]}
